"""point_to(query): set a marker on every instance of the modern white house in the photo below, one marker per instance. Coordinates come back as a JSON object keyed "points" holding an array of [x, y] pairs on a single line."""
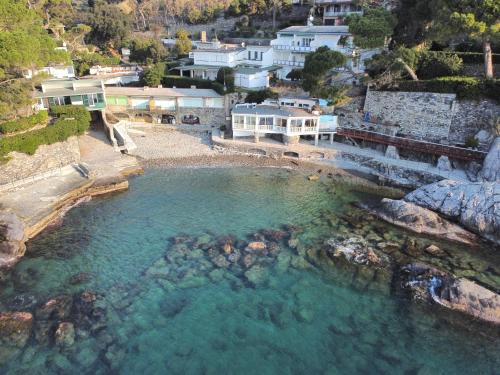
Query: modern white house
{"points": [[89, 93], [252, 64], [304, 102], [293, 44], [259, 120], [334, 12], [57, 71]]}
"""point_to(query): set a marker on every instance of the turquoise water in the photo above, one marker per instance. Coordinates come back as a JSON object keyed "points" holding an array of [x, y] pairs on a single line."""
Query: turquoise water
{"points": [[182, 306]]}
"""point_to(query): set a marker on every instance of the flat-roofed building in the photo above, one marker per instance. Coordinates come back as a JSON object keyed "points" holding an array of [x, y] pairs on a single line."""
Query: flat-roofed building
{"points": [[174, 104], [261, 119], [89, 93]]}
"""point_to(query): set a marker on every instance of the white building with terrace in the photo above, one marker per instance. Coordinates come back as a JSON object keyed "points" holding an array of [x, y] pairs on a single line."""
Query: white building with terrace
{"points": [[260, 120]]}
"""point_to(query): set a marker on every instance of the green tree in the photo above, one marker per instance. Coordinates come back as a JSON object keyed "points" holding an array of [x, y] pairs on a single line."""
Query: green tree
{"points": [[147, 50], [155, 74], [478, 19], [183, 44], [225, 76], [295, 75], [373, 28], [317, 66], [110, 26]]}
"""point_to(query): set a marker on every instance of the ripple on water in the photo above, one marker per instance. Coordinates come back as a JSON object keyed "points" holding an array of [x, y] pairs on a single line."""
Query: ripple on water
{"points": [[188, 307]]}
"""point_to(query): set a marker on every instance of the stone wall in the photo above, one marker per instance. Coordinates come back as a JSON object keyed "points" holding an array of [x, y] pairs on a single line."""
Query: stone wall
{"points": [[46, 158], [472, 116], [420, 115]]}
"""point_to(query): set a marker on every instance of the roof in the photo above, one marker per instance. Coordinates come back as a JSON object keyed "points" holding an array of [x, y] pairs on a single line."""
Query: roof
{"points": [[65, 87], [316, 30], [219, 50], [162, 91], [249, 69], [196, 67], [263, 109]]}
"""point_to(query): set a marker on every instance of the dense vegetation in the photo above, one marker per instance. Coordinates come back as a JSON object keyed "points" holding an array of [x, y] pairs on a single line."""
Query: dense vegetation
{"points": [[70, 121], [23, 123]]}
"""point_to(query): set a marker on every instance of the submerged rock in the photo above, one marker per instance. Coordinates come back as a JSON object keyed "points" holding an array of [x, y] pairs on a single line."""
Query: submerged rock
{"points": [[65, 334], [356, 250], [256, 246], [15, 328], [257, 275], [12, 238], [421, 220]]}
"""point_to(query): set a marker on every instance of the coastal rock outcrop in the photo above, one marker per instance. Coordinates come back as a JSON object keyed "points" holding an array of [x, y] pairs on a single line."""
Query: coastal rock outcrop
{"points": [[491, 165], [421, 220], [431, 284], [12, 239], [475, 205]]}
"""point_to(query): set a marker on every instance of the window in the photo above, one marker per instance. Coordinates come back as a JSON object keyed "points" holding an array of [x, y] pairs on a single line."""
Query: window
{"points": [[283, 122], [261, 56], [249, 55], [296, 122], [240, 120], [266, 121], [256, 55], [251, 120]]}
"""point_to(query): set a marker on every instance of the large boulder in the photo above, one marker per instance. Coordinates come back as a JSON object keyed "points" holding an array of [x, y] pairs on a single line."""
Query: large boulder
{"points": [[12, 239], [491, 165], [474, 205], [460, 294], [421, 220]]}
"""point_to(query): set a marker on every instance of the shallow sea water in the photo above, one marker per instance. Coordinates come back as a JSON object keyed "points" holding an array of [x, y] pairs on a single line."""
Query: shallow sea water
{"points": [[169, 309]]}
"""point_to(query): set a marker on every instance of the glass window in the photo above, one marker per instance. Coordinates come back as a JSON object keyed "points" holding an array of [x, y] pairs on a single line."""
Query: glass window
{"points": [[283, 122], [256, 55], [239, 119], [249, 55], [251, 120], [266, 121], [296, 122]]}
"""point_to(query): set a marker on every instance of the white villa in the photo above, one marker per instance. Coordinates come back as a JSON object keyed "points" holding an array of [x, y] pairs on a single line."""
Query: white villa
{"points": [[252, 64], [293, 44], [261, 120], [56, 71], [335, 11]]}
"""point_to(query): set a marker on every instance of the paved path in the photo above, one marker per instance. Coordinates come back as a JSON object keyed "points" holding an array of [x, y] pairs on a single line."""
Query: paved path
{"points": [[103, 160], [338, 152]]}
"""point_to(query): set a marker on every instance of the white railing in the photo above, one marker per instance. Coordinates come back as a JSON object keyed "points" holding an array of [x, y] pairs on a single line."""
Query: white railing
{"points": [[342, 13], [288, 62], [288, 47], [277, 129]]}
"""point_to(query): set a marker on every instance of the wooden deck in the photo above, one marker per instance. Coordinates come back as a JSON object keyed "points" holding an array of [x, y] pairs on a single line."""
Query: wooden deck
{"points": [[414, 145]]}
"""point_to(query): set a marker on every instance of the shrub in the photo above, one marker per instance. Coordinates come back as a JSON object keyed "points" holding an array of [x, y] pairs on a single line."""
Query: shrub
{"points": [[295, 75], [464, 87], [260, 96], [186, 82], [471, 142], [435, 64], [70, 120], [24, 123]]}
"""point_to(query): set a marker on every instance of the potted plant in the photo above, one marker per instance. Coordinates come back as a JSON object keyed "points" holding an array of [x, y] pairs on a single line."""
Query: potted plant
{"points": [[222, 131]]}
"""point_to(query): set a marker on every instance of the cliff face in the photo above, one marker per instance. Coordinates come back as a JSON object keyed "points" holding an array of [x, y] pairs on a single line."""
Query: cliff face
{"points": [[475, 205], [491, 166]]}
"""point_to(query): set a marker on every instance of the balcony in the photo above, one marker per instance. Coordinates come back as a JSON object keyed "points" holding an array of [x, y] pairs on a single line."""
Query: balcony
{"points": [[276, 129], [299, 64], [327, 2], [343, 13], [286, 47]]}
